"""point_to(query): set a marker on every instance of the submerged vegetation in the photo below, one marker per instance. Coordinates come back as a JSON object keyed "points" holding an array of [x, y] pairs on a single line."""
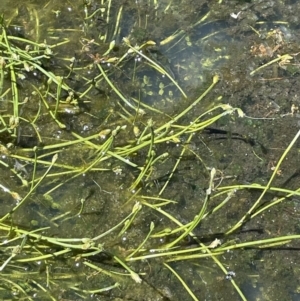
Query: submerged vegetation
{"points": [[117, 153]]}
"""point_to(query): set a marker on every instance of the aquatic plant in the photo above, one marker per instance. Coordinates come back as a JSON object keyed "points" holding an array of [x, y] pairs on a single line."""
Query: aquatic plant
{"points": [[46, 158]]}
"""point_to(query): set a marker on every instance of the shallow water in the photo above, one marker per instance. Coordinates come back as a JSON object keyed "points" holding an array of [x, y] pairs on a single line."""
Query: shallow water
{"points": [[193, 42]]}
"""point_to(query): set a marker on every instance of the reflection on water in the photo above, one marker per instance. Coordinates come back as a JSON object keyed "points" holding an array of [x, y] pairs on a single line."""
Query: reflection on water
{"points": [[188, 42]]}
